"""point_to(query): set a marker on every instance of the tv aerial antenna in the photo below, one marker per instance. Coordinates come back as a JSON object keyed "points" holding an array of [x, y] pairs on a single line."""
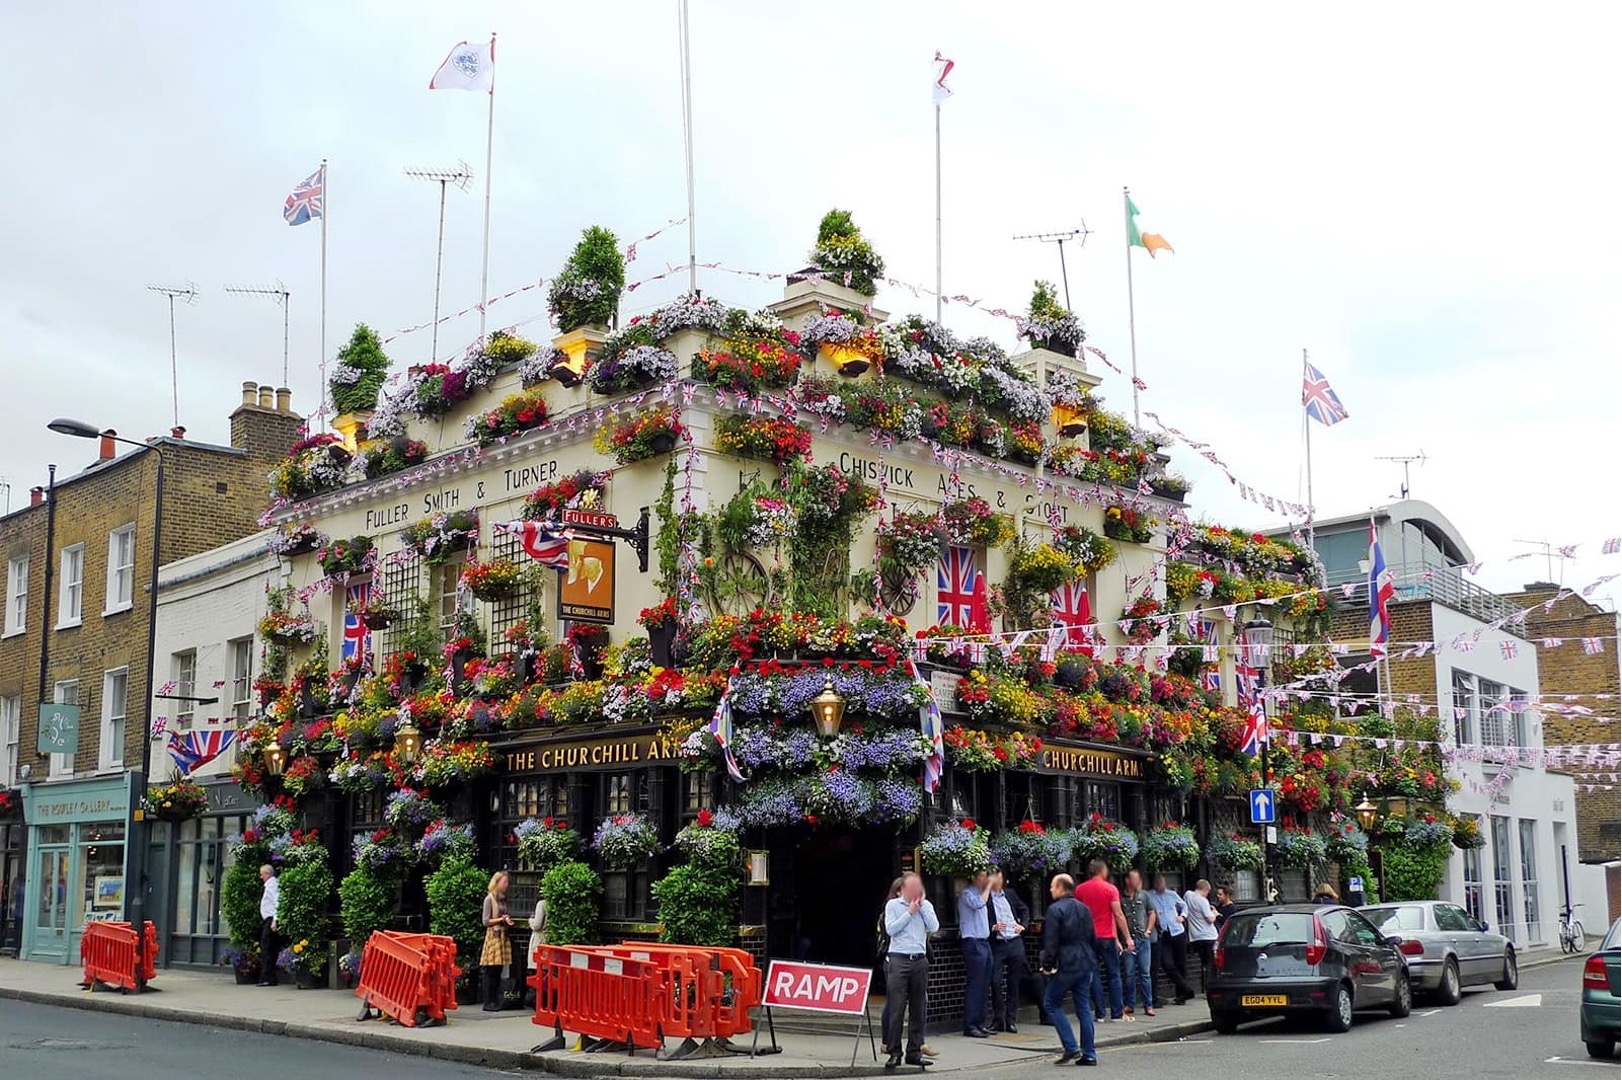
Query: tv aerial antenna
{"points": [[282, 297], [1550, 554], [1078, 236], [461, 176], [1407, 460], [186, 294]]}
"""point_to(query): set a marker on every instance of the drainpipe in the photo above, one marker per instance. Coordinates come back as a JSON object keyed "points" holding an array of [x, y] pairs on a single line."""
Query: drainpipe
{"points": [[44, 626]]}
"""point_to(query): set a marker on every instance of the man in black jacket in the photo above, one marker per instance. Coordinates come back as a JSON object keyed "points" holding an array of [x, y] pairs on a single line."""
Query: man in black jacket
{"points": [[1009, 916], [1071, 965]]}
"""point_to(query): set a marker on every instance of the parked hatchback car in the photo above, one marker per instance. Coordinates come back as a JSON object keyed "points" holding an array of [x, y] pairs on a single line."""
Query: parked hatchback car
{"points": [[1299, 958], [1602, 1006], [1447, 947]]}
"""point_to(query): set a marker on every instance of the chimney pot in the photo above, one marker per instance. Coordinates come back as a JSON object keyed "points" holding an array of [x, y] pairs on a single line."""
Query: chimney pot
{"points": [[284, 399], [250, 392], [267, 396], [109, 448], [36, 495], [177, 432]]}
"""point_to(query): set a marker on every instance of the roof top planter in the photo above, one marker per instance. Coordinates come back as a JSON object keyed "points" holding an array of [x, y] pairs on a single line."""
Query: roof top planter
{"points": [[845, 255], [1047, 325], [358, 377], [587, 290]]}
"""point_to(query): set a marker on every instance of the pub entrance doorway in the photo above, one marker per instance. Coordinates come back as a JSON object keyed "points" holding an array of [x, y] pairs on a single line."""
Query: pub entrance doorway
{"points": [[841, 876]]}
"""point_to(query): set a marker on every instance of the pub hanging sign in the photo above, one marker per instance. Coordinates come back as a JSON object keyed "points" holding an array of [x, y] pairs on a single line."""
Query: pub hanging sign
{"points": [[1086, 761]]}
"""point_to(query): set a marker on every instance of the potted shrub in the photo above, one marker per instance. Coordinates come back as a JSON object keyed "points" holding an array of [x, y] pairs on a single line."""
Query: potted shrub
{"points": [[1047, 325], [359, 375], [494, 580], [343, 557], [455, 899], [845, 255], [587, 290], [662, 623], [306, 887], [573, 893]]}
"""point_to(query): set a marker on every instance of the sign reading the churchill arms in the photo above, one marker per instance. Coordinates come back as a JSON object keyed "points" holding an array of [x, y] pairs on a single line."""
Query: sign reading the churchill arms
{"points": [[1088, 761], [647, 748], [586, 589]]}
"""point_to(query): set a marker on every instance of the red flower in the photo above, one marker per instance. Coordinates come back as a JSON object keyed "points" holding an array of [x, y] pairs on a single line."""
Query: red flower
{"points": [[968, 823], [705, 819], [810, 819]]}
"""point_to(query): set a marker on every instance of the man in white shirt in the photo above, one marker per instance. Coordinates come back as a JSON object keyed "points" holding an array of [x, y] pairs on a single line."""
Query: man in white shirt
{"points": [[1201, 926], [269, 900]]}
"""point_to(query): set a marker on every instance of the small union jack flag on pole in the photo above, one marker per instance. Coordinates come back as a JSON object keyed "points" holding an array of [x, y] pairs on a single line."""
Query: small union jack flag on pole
{"points": [[1073, 610], [955, 587], [305, 203], [1320, 400], [1612, 546]]}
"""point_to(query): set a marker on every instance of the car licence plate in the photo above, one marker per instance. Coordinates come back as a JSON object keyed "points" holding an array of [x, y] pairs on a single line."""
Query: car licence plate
{"points": [[1264, 999]]}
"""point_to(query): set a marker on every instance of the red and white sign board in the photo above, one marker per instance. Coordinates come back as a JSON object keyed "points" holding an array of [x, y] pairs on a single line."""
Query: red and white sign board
{"points": [[817, 987]]}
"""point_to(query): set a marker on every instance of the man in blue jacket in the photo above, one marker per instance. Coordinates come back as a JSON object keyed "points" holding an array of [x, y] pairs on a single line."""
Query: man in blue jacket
{"points": [[1071, 965]]}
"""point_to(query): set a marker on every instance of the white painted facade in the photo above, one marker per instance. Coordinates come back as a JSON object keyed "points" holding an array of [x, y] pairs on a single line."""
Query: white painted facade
{"points": [[1519, 881], [209, 606]]}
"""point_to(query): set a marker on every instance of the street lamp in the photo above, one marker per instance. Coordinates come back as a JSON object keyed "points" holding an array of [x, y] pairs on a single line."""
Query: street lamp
{"points": [[1365, 812], [828, 709], [1259, 644], [275, 758], [135, 830], [407, 740]]}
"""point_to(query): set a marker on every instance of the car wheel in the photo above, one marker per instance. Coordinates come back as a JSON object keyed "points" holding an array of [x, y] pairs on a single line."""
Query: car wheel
{"points": [[1339, 1017], [1403, 1004], [1601, 1050], [1449, 991], [1225, 1022], [1512, 972]]}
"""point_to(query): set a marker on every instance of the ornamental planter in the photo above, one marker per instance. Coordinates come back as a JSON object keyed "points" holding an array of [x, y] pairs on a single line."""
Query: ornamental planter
{"points": [[246, 976], [1069, 674], [492, 592], [377, 620], [592, 666], [1056, 345], [309, 980], [175, 814], [1163, 491], [663, 443], [662, 641]]}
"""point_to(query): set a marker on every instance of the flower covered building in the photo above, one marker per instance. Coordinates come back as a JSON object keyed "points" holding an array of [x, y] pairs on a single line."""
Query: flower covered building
{"points": [[860, 594]]}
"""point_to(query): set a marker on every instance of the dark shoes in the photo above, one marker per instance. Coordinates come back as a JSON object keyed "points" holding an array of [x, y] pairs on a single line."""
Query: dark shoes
{"points": [[1068, 1056], [976, 1033], [893, 1061], [1012, 1029], [919, 1060], [1087, 1061]]}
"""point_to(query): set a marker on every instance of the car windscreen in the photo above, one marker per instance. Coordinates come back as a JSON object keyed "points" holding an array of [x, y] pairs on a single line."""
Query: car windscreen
{"points": [[1262, 929], [1611, 938], [1391, 919]]}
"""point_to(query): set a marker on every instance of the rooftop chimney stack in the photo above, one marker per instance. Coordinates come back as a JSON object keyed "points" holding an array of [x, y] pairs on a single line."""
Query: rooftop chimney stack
{"points": [[267, 396], [36, 495], [250, 393], [177, 432], [265, 424], [109, 448], [284, 399]]}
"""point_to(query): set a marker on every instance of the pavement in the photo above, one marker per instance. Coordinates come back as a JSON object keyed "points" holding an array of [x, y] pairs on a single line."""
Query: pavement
{"points": [[504, 1040]]}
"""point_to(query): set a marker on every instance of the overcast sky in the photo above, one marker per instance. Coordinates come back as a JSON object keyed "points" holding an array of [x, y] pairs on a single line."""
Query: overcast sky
{"points": [[1425, 196]]}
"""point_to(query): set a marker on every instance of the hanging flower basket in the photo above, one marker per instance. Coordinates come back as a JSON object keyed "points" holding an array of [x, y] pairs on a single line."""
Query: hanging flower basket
{"points": [[497, 579], [625, 841]]}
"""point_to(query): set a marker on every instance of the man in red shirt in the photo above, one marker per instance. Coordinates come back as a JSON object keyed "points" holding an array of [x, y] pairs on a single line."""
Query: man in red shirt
{"points": [[1103, 901]]}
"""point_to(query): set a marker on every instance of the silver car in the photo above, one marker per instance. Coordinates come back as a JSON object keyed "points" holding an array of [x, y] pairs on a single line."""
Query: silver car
{"points": [[1447, 947]]}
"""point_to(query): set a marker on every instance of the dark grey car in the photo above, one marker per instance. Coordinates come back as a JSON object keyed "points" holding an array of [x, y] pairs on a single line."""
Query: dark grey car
{"points": [[1447, 947]]}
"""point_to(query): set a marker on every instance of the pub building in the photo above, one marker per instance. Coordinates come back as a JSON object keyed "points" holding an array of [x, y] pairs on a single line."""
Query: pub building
{"points": [[814, 886]]}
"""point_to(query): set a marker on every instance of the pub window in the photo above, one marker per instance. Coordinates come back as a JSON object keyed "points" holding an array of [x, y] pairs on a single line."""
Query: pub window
{"points": [[1247, 886], [450, 580], [1101, 798], [1164, 808], [400, 578], [699, 792], [544, 797], [619, 794]]}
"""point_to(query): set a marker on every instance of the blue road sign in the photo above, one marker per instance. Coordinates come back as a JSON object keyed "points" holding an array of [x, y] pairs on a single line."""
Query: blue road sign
{"points": [[1263, 806]]}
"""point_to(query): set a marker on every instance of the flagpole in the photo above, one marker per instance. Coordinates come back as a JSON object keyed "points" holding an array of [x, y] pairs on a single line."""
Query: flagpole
{"points": [[326, 205], [1131, 314], [1306, 423], [687, 143], [938, 279], [489, 157]]}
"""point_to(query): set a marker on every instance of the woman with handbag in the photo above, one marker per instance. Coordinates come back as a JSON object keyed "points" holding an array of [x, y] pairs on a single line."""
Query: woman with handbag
{"points": [[498, 951]]}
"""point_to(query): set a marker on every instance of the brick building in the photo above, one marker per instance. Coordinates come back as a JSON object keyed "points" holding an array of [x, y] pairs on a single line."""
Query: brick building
{"points": [[78, 560], [1566, 669]]}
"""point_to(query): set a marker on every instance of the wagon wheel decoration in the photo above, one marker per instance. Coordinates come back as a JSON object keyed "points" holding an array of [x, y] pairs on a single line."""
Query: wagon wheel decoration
{"points": [[898, 591], [740, 585]]}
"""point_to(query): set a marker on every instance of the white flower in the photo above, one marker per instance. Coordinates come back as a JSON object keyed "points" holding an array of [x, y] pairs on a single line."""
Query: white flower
{"points": [[830, 329]]}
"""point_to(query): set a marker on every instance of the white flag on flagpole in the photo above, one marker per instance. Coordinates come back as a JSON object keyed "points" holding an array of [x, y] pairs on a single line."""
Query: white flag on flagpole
{"points": [[470, 66], [943, 68]]}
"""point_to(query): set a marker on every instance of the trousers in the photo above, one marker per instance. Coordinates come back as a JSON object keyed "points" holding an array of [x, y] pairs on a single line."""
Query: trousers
{"points": [[1007, 973], [1171, 957], [906, 988], [977, 972], [1108, 984], [1138, 975], [1079, 985]]}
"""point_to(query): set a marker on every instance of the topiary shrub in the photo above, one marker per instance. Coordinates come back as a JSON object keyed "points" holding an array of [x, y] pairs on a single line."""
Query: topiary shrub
{"points": [[845, 255], [1412, 871], [362, 368], [573, 893], [455, 905], [697, 906], [367, 903], [306, 889], [587, 290]]}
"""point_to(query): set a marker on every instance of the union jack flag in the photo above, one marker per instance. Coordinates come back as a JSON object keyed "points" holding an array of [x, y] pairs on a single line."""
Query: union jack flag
{"points": [[1593, 646], [1255, 727], [357, 643], [956, 579], [195, 749], [1322, 403], [1509, 649], [1381, 590], [1211, 681], [307, 200], [545, 542], [1073, 610], [1612, 546]]}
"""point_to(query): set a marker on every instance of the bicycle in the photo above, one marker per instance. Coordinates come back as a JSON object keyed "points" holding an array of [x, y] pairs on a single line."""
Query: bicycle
{"points": [[1571, 931]]}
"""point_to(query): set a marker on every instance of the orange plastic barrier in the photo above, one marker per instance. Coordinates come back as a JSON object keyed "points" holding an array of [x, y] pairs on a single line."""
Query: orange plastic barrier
{"points": [[107, 951], [410, 978], [593, 993], [695, 1001]]}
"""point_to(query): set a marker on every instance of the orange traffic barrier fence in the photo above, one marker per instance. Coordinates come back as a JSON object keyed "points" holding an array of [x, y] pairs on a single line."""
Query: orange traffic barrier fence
{"points": [[590, 992], [411, 978], [107, 951]]}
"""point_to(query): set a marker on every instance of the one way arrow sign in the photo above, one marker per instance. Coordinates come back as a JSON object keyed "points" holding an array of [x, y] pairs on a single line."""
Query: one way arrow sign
{"points": [[1262, 806]]}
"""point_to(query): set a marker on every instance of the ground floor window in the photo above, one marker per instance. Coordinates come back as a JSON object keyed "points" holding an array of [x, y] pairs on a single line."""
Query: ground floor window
{"points": [[1503, 871], [1529, 880]]}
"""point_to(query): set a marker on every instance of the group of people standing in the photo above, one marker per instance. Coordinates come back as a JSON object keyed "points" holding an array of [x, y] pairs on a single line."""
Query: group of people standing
{"points": [[1100, 947]]}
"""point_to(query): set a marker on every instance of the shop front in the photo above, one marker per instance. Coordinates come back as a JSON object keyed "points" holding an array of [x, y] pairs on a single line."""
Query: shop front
{"points": [[76, 863], [189, 865]]}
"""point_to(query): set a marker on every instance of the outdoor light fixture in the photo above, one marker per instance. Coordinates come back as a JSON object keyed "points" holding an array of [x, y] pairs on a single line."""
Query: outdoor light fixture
{"points": [[570, 371], [275, 758], [1259, 637], [828, 709], [1365, 812], [407, 742], [1069, 422], [77, 428]]}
